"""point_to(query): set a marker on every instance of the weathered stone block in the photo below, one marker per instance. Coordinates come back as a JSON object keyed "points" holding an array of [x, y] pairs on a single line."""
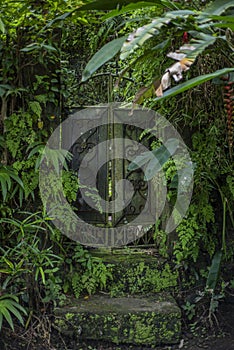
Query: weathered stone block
{"points": [[150, 320]]}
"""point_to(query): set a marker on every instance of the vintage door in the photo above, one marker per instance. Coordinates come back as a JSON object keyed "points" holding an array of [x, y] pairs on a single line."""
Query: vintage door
{"points": [[120, 142]]}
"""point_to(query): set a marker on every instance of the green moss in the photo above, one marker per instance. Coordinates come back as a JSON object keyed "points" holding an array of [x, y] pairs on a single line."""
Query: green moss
{"points": [[60, 323], [69, 316], [146, 321], [142, 277], [144, 333]]}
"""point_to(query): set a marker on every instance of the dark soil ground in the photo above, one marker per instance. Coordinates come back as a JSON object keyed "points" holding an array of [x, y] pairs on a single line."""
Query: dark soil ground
{"points": [[41, 337]]}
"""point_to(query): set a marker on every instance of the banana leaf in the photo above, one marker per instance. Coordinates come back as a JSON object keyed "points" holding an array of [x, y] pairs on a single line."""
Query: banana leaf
{"points": [[106, 53]]}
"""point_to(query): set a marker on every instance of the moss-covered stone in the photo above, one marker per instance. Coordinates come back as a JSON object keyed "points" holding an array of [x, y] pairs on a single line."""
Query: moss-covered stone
{"points": [[134, 320], [137, 271]]}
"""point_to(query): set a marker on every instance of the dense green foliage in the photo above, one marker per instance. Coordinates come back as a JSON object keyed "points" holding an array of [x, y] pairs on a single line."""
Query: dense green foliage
{"points": [[39, 266], [210, 140]]}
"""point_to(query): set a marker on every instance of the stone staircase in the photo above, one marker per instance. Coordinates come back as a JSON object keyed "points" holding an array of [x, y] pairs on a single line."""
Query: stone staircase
{"points": [[150, 318]]}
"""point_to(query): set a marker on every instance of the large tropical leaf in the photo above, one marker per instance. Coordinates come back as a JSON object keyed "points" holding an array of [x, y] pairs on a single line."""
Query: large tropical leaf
{"points": [[128, 8], [221, 21], [204, 37], [106, 53], [111, 5], [223, 25], [118, 7], [194, 82], [139, 37], [186, 56], [217, 7], [200, 42], [229, 18], [142, 34], [138, 5], [213, 275]]}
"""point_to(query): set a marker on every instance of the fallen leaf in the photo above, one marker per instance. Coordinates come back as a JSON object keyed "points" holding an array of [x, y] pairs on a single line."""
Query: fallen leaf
{"points": [[181, 344], [159, 91], [166, 81]]}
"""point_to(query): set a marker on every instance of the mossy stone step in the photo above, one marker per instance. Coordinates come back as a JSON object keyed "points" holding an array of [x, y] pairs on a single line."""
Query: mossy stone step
{"points": [[151, 320], [137, 271]]}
